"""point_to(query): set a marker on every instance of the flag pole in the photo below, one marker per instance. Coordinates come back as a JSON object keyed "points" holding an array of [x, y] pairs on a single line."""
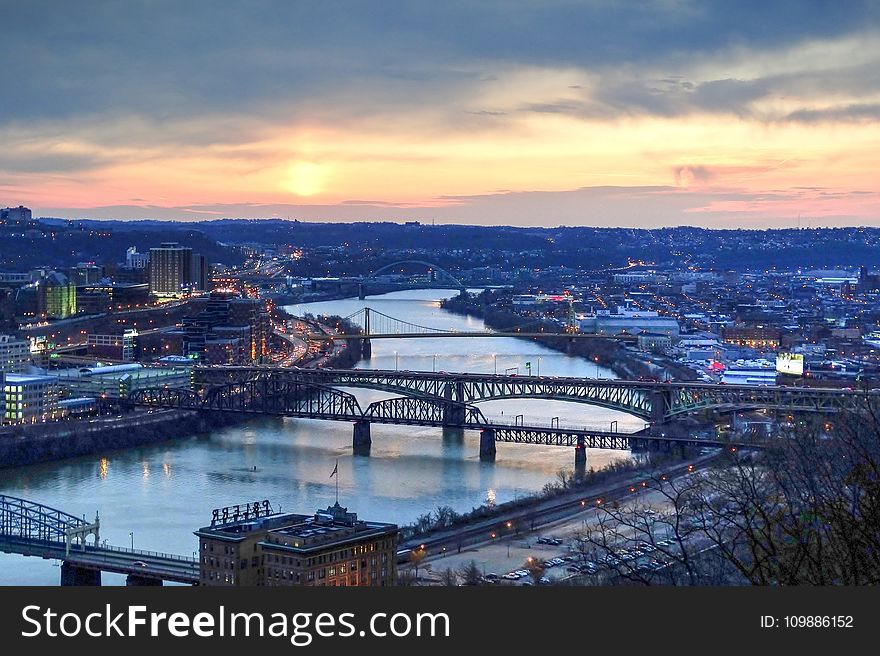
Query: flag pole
{"points": [[337, 481]]}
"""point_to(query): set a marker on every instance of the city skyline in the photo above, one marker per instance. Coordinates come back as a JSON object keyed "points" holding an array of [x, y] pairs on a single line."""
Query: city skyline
{"points": [[666, 113]]}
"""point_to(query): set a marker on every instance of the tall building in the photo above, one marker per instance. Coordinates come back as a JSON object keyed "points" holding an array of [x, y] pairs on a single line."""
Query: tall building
{"points": [[230, 330], [56, 296], [171, 269], [250, 546], [15, 354], [200, 272]]}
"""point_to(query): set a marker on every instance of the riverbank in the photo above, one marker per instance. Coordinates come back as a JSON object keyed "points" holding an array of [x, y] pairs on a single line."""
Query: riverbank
{"points": [[604, 352], [30, 445]]}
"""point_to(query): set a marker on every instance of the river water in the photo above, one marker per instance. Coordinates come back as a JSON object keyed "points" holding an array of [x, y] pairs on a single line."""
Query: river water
{"points": [[157, 496]]}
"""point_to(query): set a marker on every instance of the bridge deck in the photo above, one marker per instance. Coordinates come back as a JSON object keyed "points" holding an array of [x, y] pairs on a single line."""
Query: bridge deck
{"points": [[167, 567]]}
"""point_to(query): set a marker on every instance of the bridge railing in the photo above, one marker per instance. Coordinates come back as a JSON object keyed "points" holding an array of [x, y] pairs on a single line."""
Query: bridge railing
{"points": [[143, 552]]}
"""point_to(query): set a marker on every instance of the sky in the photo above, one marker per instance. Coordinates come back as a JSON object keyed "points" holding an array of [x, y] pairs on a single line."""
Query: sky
{"points": [[549, 112]]}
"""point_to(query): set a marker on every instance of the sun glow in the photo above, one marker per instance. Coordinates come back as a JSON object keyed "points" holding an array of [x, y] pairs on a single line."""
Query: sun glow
{"points": [[305, 178]]}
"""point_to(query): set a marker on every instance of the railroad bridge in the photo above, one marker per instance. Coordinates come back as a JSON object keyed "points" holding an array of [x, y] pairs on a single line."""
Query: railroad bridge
{"points": [[450, 401]]}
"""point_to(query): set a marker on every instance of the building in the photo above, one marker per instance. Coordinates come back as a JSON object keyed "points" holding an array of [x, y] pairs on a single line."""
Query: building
{"points": [[120, 380], [15, 354], [201, 272], [230, 330], [113, 346], [29, 399], [251, 546], [171, 269], [56, 296], [15, 215], [759, 337], [135, 260], [109, 296], [159, 343], [654, 342], [626, 321]]}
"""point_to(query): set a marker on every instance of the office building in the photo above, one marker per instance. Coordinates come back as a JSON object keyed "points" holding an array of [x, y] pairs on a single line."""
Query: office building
{"points": [[250, 546], [171, 269], [15, 354], [56, 296], [29, 399]]}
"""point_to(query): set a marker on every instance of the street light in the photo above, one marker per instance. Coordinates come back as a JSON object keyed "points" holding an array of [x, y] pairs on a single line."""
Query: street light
{"points": [[434, 363], [396, 360], [131, 535], [495, 361]]}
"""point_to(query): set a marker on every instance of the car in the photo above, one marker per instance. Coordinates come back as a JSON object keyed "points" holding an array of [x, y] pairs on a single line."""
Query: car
{"points": [[491, 577], [139, 563], [527, 583], [555, 542], [510, 576], [647, 548], [542, 541]]}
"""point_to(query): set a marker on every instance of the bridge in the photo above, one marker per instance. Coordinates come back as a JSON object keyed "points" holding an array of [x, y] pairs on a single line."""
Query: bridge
{"points": [[33, 529], [448, 401], [433, 269], [378, 325]]}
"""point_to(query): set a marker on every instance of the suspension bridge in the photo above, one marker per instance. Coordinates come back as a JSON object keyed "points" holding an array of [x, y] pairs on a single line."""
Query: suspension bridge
{"points": [[374, 324], [33, 529]]}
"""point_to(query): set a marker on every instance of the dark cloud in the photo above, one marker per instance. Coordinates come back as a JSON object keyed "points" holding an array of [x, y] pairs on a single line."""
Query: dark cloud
{"points": [[853, 113], [168, 59]]}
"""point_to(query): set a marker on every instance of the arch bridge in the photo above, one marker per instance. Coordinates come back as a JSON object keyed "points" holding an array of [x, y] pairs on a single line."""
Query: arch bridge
{"points": [[454, 283]]}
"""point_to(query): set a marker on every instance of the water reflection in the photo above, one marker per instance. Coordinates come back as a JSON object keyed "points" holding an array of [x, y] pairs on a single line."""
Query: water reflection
{"points": [[410, 470]]}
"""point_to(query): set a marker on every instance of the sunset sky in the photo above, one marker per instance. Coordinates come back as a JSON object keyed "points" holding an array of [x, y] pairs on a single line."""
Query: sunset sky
{"points": [[665, 112]]}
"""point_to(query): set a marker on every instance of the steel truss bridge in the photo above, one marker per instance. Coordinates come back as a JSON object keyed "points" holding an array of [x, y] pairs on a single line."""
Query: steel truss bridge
{"points": [[448, 400], [378, 325], [652, 401], [33, 529]]}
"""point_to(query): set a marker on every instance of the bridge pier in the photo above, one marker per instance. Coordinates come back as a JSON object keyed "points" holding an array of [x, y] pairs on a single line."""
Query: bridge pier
{"points": [[569, 346], [362, 293], [580, 458], [361, 441], [487, 445], [73, 575], [141, 580], [366, 349]]}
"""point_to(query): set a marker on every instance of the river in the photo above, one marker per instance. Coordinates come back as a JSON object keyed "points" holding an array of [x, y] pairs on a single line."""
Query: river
{"points": [[157, 496]]}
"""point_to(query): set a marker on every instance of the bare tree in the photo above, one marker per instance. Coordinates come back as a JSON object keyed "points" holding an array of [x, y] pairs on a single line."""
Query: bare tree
{"points": [[806, 510], [470, 573], [448, 577]]}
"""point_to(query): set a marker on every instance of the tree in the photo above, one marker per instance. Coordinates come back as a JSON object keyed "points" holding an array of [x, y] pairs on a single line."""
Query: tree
{"points": [[535, 567], [416, 556], [806, 510], [470, 573], [448, 577]]}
